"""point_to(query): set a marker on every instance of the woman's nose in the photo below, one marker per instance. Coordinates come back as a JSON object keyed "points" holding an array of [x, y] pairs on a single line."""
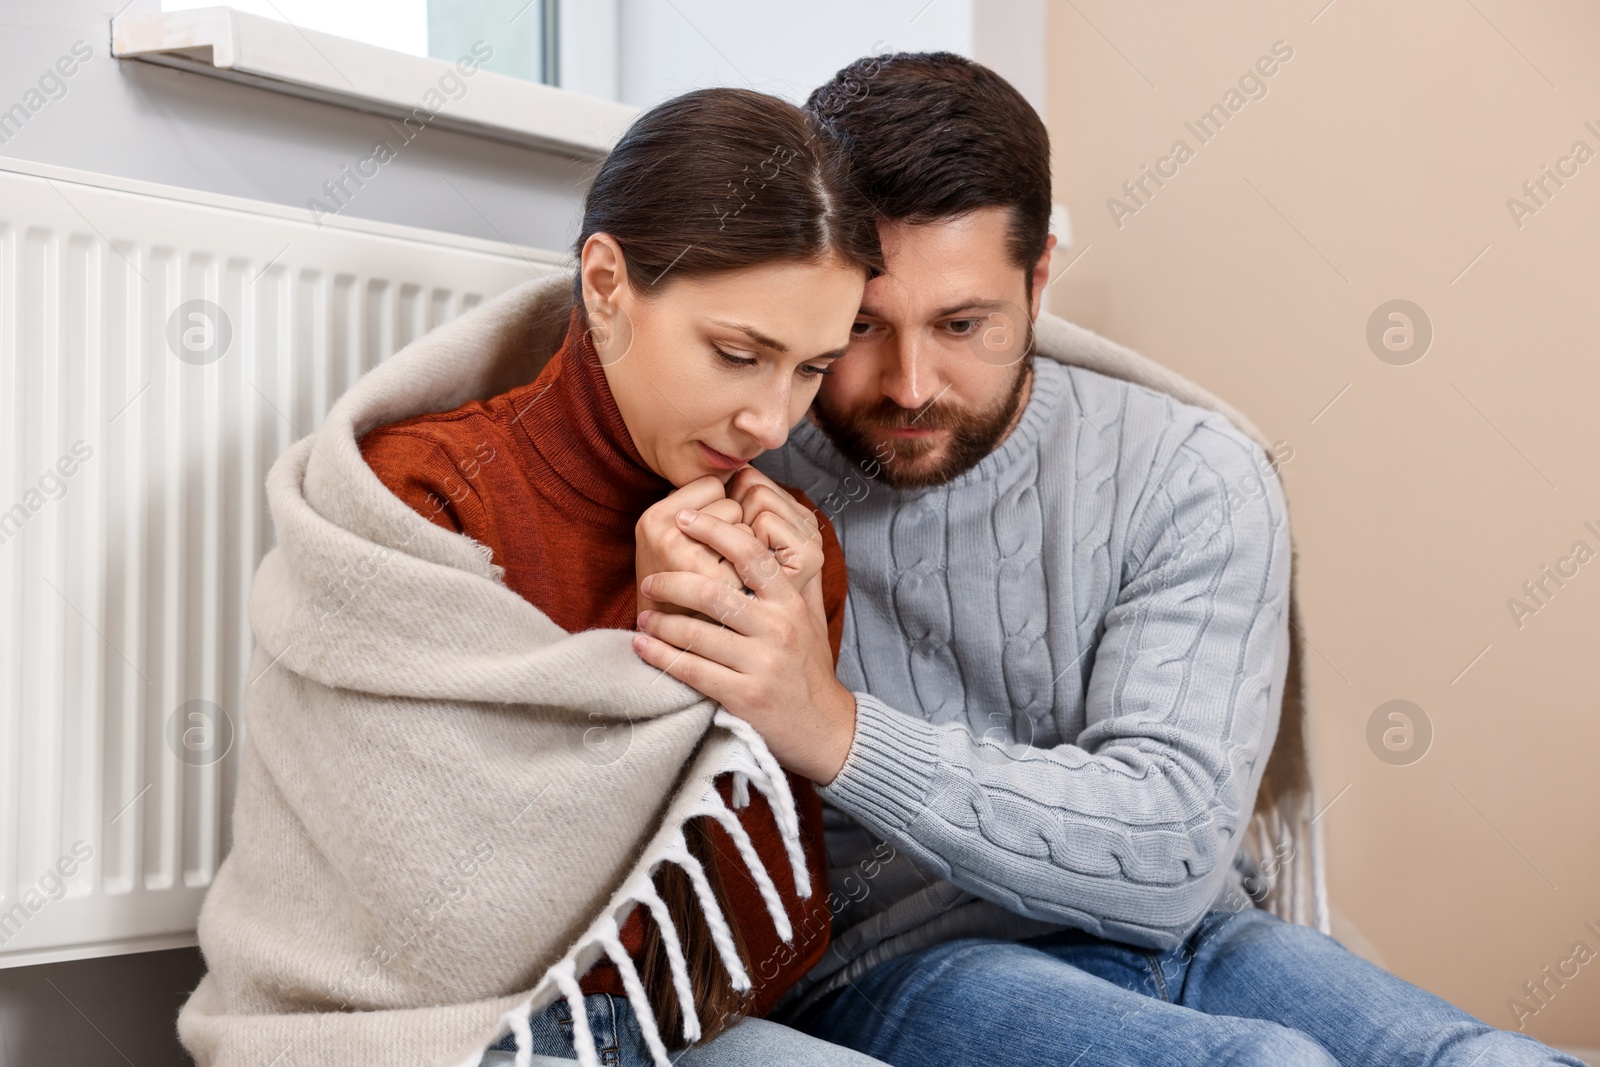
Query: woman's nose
{"points": [[768, 424]]}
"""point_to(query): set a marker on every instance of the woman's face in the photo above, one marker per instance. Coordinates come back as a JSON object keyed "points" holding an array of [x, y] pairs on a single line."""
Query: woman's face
{"points": [[711, 371]]}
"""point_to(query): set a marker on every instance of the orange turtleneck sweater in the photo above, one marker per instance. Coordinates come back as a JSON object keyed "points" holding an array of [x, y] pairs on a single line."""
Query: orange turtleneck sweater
{"points": [[547, 476]]}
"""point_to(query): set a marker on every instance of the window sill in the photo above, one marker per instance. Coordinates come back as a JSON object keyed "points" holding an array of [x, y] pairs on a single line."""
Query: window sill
{"points": [[269, 54]]}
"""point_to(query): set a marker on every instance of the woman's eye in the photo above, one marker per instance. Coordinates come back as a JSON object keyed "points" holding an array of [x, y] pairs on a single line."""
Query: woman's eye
{"points": [[733, 360], [812, 371]]}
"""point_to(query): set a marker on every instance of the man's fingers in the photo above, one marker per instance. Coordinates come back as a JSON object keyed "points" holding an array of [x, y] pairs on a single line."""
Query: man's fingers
{"points": [[711, 598], [714, 642], [712, 566], [697, 672], [756, 564], [727, 575]]}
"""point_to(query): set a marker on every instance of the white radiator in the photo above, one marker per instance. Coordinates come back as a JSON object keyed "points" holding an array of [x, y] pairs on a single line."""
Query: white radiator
{"points": [[158, 349]]}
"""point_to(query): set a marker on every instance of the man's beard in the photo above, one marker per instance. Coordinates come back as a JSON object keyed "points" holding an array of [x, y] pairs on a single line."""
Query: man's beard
{"points": [[973, 435]]}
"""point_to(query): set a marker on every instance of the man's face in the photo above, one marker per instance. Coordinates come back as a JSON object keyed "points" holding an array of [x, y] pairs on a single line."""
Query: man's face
{"points": [[939, 362]]}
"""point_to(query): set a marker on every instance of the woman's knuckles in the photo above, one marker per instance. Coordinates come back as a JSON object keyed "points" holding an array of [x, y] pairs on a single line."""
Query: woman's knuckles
{"points": [[725, 509]]}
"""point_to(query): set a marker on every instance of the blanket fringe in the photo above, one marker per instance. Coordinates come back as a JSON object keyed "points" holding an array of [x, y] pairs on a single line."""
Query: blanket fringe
{"points": [[582, 1036], [517, 1020], [750, 763], [712, 805], [611, 937], [770, 779], [677, 851], [646, 895], [757, 747]]}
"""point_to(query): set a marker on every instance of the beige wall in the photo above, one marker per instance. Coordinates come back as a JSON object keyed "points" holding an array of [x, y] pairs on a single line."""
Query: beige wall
{"points": [[1377, 167]]}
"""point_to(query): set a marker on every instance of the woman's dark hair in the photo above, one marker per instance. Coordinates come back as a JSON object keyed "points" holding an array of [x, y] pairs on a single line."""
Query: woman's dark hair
{"points": [[712, 181], [719, 179]]}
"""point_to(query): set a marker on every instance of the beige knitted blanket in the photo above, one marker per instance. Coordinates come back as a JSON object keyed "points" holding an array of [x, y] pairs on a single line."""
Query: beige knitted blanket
{"points": [[446, 803]]}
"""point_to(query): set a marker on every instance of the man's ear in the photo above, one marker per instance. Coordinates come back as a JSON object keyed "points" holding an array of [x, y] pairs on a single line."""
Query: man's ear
{"points": [[1041, 277], [604, 272]]}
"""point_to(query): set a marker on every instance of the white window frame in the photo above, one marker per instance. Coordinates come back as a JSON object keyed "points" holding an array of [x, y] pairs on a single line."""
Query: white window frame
{"points": [[226, 43]]}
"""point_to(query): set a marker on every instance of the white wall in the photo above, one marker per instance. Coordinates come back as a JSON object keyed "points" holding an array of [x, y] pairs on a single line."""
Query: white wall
{"points": [[789, 49], [785, 49], [1009, 37], [138, 120]]}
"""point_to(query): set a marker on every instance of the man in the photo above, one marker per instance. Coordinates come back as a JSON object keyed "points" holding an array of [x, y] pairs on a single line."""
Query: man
{"points": [[1063, 662]]}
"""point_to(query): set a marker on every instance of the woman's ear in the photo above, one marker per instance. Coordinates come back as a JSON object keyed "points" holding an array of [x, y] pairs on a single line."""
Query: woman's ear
{"points": [[604, 272]]}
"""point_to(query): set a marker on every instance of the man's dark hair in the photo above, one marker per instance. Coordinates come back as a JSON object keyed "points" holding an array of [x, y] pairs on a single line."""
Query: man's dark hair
{"points": [[932, 135]]}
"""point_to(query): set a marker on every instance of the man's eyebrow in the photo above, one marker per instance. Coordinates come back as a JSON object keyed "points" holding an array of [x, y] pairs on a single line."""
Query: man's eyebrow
{"points": [[971, 305], [754, 335]]}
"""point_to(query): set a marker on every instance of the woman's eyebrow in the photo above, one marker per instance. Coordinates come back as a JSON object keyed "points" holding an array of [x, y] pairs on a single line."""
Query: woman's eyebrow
{"points": [[754, 335]]}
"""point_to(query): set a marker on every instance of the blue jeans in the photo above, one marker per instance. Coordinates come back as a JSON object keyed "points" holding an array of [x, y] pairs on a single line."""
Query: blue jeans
{"points": [[1246, 988], [617, 1038]]}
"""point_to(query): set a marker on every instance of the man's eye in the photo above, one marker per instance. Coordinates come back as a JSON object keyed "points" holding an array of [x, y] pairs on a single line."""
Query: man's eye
{"points": [[963, 327], [733, 360], [860, 329]]}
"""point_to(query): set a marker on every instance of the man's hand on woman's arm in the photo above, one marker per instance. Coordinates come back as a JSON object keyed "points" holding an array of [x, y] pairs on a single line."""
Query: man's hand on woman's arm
{"points": [[766, 659]]}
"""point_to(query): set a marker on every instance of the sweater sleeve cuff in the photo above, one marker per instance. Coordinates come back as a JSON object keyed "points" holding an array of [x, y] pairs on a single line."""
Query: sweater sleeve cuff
{"points": [[885, 778]]}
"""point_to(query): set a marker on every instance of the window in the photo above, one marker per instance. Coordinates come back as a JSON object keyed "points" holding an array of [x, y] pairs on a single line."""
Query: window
{"points": [[535, 72], [525, 33]]}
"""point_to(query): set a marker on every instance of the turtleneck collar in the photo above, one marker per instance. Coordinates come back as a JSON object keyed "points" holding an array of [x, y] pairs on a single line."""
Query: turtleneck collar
{"points": [[570, 420]]}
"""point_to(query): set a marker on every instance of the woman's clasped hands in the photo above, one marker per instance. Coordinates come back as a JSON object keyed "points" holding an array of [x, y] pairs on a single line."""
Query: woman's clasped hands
{"points": [[730, 598]]}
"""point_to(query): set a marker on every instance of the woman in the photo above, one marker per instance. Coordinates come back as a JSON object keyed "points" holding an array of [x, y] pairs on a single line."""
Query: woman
{"points": [[723, 255]]}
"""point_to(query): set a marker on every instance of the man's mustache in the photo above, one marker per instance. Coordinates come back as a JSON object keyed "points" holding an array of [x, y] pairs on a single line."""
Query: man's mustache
{"points": [[887, 415]]}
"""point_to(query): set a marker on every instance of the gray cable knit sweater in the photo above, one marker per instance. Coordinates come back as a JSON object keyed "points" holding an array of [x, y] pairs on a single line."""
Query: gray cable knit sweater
{"points": [[1068, 664]]}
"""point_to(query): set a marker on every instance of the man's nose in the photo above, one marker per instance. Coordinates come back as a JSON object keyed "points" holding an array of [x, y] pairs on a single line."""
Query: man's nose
{"points": [[908, 373]]}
